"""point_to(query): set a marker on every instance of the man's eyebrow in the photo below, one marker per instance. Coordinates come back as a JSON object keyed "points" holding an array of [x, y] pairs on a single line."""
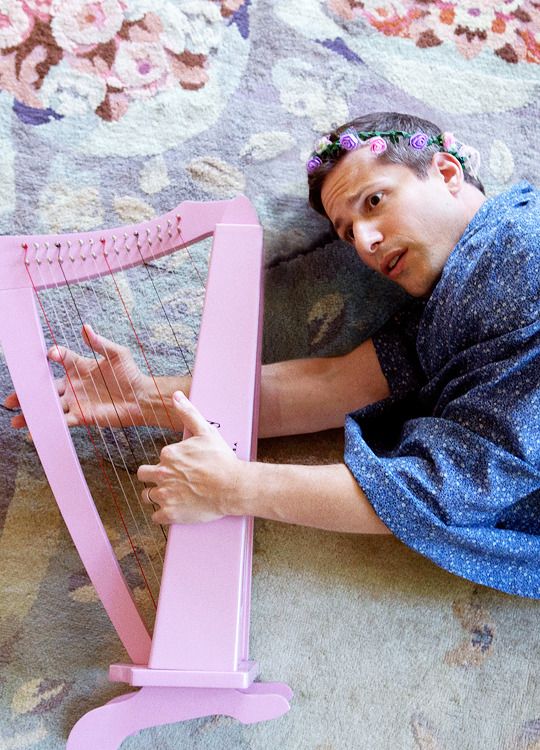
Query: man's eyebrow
{"points": [[350, 202], [354, 198]]}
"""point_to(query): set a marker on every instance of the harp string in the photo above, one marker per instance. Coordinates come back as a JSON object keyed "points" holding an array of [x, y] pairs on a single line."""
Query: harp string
{"points": [[139, 343], [181, 349], [76, 338], [141, 410], [86, 424], [193, 264], [123, 427]]}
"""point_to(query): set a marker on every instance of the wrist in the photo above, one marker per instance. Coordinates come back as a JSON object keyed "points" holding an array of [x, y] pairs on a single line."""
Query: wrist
{"points": [[157, 405], [242, 500]]}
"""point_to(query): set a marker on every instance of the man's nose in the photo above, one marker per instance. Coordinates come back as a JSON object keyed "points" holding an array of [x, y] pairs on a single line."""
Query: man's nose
{"points": [[367, 238]]}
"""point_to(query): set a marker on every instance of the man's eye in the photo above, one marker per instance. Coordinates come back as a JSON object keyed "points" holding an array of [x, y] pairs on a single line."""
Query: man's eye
{"points": [[374, 200]]}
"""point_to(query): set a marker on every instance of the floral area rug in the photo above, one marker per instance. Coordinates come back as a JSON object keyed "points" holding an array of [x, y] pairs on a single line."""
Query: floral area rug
{"points": [[115, 111]]}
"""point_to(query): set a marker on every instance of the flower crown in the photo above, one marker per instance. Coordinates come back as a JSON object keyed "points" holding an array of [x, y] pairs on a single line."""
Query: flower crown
{"points": [[350, 140]]}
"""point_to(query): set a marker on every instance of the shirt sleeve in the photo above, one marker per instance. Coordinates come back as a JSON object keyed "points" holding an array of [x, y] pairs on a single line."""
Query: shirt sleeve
{"points": [[395, 345], [461, 484]]}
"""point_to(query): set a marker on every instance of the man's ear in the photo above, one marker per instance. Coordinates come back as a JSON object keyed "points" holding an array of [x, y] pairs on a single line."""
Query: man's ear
{"points": [[449, 169]]}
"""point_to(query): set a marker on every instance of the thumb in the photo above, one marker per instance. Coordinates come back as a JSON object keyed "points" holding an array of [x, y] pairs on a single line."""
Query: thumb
{"points": [[191, 417]]}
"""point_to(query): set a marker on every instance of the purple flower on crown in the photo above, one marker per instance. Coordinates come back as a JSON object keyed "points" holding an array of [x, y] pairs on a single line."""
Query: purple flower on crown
{"points": [[377, 145], [418, 141], [349, 140], [313, 163]]}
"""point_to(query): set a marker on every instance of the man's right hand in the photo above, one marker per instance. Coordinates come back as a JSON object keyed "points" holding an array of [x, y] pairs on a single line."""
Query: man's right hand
{"points": [[108, 390]]}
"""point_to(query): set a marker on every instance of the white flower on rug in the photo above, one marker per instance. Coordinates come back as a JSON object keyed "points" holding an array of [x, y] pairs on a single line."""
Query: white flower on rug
{"points": [[195, 26], [217, 176], [154, 175], [501, 161], [79, 24], [131, 210], [263, 146], [72, 92], [63, 208], [305, 93], [15, 24], [137, 9], [141, 69], [38, 695]]}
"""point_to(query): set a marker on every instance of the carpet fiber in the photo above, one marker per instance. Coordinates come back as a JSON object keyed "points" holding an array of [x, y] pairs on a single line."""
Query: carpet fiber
{"points": [[114, 111]]}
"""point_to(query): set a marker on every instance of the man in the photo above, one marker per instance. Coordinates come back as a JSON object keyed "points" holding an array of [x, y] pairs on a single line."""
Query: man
{"points": [[443, 443]]}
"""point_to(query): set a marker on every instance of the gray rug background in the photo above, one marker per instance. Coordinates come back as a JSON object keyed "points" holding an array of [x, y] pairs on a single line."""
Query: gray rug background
{"points": [[382, 649]]}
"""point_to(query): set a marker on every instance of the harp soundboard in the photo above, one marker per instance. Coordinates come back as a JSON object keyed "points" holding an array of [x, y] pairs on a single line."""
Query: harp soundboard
{"points": [[196, 661]]}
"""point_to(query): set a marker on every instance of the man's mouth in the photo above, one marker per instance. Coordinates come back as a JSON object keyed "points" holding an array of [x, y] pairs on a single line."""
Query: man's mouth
{"points": [[393, 263]]}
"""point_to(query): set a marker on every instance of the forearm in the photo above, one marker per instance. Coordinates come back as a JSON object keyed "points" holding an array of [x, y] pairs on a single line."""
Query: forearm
{"points": [[324, 497], [297, 396], [309, 395]]}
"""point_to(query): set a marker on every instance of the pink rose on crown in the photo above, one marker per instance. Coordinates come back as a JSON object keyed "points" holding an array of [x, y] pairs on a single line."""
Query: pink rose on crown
{"points": [[448, 141], [377, 145]]}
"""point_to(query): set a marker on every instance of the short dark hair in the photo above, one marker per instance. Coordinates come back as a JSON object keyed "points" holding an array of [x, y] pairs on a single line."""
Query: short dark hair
{"points": [[398, 152]]}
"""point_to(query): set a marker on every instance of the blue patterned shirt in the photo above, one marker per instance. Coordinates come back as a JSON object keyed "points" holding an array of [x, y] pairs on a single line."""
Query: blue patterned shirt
{"points": [[451, 460]]}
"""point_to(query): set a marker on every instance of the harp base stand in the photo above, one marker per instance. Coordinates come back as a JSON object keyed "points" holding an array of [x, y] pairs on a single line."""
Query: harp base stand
{"points": [[141, 676], [108, 726]]}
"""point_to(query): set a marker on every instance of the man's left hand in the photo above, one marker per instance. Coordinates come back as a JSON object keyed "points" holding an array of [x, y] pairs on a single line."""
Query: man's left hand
{"points": [[196, 480]]}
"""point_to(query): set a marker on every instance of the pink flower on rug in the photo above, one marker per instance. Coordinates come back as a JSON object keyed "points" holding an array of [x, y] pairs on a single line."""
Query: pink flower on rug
{"points": [[79, 25], [140, 69], [74, 56], [509, 28], [15, 24], [39, 8]]}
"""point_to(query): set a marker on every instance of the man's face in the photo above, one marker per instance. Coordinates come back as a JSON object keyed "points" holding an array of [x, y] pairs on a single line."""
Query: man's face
{"points": [[402, 226]]}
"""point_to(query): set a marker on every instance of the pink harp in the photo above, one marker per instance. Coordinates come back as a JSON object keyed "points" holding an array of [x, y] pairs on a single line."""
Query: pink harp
{"points": [[196, 661]]}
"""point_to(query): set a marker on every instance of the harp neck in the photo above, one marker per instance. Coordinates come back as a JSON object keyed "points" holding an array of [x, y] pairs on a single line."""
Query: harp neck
{"points": [[50, 260]]}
